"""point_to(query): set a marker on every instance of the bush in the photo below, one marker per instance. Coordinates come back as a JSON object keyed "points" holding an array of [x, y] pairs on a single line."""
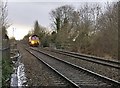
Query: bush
{"points": [[6, 68]]}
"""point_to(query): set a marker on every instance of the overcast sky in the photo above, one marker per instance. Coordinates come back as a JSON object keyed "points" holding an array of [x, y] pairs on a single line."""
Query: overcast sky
{"points": [[23, 13]]}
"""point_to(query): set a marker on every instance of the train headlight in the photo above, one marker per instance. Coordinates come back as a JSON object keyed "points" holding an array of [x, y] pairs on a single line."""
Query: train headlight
{"points": [[32, 42]]}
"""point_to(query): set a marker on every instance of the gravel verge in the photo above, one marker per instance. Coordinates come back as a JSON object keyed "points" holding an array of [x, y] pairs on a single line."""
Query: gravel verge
{"points": [[103, 70], [37, 73]]}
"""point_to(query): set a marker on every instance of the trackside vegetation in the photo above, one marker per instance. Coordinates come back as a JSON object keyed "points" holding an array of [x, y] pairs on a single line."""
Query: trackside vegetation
{"points": [[6, 65], [6, 69], [90, 29]]}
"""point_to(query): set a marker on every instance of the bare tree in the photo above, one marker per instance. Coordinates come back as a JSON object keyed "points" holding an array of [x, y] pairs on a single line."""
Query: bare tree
{"points": [[3, 18], [89, 29], [85, 24], [39, 30], [36, 28], [60, 15], [61, 20], [106, 41]]}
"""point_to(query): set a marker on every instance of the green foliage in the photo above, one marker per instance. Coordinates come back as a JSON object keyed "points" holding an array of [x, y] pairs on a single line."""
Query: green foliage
{"points": [[53, 37], [36, 28], [45, 41], [60, 15], [39, 30], [58, 45], [4, 32], [6, 61], [88, 30], [6, 69]]}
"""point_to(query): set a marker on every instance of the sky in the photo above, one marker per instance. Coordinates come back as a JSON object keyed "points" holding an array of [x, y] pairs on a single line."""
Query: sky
{"points": [[23, 13]]}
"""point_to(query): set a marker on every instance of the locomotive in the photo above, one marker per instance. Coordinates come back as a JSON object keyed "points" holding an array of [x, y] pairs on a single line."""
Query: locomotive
{"points": [[34, 40]]}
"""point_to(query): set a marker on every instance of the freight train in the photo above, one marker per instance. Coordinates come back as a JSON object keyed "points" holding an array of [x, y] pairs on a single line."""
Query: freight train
{"points": [[34, 40]]}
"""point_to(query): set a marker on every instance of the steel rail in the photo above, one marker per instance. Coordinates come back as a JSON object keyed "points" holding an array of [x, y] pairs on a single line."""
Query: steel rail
{"points": [[67, 79], [90, 58], [93, 57], [86, 70]]}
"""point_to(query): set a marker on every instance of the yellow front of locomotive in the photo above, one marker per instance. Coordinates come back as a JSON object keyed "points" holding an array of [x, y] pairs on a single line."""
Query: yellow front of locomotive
{"points": [[34, 40]]}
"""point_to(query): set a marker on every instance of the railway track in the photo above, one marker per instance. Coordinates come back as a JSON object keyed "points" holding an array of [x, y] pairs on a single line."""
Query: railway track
{"points": [[76, 75], [58, 80], [104, 68], [98, 60]]}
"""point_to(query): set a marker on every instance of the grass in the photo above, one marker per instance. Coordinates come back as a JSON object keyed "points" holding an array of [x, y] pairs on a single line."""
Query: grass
{"points": [[6, 68]]}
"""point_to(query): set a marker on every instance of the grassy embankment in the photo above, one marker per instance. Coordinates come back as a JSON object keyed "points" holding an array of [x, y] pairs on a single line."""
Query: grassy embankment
{"points": [[6, 68]]}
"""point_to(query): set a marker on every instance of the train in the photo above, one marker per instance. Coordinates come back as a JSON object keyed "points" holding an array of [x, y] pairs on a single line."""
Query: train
{"points": [[34, 40]]}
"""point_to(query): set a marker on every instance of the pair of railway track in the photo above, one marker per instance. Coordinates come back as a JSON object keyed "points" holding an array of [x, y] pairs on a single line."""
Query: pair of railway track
{"points": [[98, 60], [77, 76]]}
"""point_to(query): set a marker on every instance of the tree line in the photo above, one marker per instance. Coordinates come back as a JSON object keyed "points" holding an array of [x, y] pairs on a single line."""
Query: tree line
{"points": [[89, 29], [3, 19]]}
